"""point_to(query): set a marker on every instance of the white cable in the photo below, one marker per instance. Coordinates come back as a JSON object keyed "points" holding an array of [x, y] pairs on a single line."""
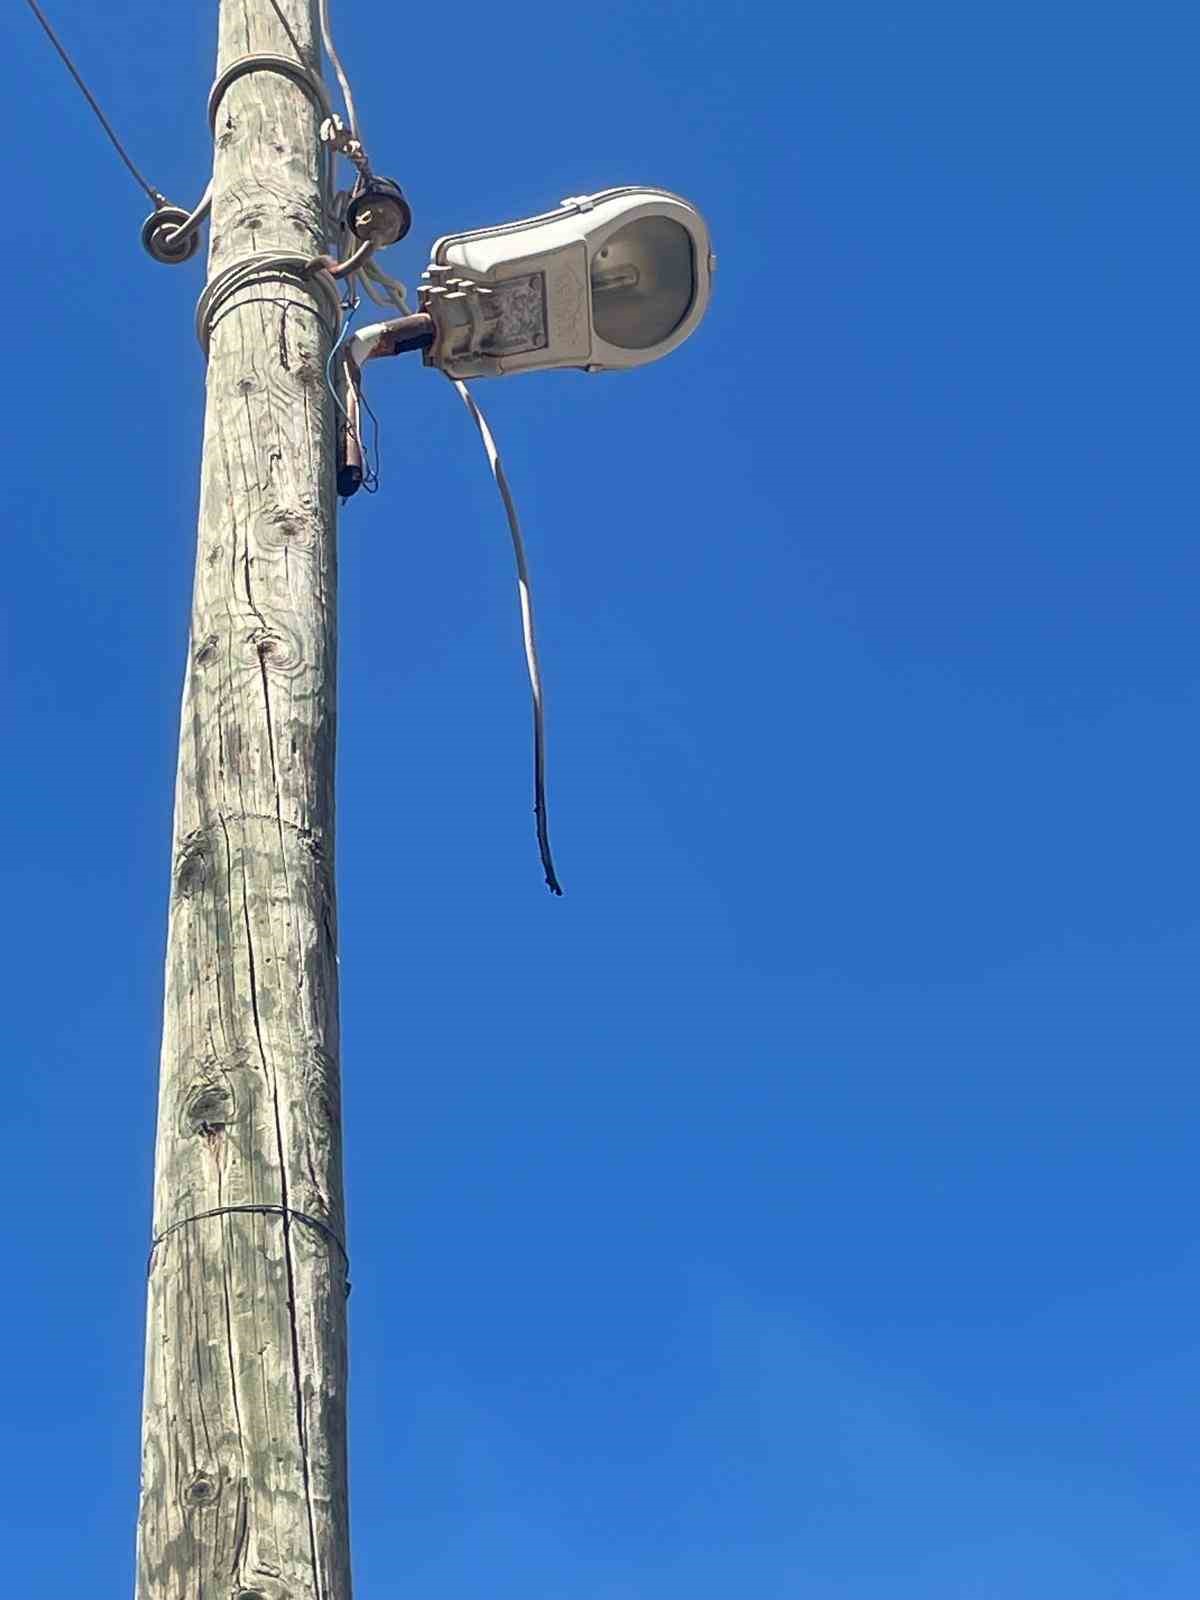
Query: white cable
{"points": [[396, 293], [339, 70], [268, 268], [192, 222], [380, 299], [531, 651]]}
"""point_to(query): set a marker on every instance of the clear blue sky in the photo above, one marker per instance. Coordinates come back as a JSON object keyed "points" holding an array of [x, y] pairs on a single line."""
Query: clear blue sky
{"points": [[803, 1208]]}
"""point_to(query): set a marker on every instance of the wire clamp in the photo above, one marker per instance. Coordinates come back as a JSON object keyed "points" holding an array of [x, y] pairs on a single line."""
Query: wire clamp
{"points": [[344, 142]]}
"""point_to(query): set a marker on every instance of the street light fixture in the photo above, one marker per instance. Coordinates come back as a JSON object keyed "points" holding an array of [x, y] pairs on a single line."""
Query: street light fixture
{"points": [[607, 282]]}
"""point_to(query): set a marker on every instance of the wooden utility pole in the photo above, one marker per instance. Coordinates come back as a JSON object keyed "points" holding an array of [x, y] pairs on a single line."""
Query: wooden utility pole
{"points": [[244, 1425]]}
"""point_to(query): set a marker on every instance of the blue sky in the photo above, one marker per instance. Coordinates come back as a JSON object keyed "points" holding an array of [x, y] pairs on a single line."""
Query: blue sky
{"points": [[803, 1208]]}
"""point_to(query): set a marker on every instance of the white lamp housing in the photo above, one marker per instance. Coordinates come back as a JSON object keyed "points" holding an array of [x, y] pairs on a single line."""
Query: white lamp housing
{"points": [[608, 281]]}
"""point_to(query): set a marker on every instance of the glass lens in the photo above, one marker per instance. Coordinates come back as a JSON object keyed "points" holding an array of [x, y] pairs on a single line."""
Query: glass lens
{"points": [[643, 283]]}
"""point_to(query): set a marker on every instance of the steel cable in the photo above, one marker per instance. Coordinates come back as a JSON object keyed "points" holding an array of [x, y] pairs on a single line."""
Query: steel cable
{"points": [[149, 188]]}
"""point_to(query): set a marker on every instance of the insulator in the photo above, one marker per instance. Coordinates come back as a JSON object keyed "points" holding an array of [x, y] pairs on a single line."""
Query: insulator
{"points": [[156, 236], [379, 212]]}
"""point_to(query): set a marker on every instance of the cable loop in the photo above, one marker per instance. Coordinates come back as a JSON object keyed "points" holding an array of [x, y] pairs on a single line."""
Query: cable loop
{"points": [[284, 65], [272, 268]]}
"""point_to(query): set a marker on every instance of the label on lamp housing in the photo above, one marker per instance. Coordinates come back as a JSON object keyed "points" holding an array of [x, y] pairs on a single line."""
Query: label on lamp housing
{"points": [[520, 308]]}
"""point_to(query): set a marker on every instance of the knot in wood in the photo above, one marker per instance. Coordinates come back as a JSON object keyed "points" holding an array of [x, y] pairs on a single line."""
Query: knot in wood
{"points": [[209, 1107], [191, 866], [278, 651], [260, 1588], [309, 371], [203, 1490], [287, 528], [322, 1083], [206, 650]]}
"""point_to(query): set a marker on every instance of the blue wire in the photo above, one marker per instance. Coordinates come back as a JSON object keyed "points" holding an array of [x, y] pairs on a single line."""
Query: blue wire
{"points": [[370, 470], [349, 307]]}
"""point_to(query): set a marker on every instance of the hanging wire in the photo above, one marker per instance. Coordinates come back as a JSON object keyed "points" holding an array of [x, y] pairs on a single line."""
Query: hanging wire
{"points": [[372, 461], [149, 188], [531, 651], [389, 291]]}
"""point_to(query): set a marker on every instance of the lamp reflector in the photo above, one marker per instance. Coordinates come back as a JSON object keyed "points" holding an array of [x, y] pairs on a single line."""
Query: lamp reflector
{"points": [[643, 283]]}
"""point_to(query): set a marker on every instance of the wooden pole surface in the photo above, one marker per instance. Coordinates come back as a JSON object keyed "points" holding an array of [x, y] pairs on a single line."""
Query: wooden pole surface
{"points": [[244, 1424]]}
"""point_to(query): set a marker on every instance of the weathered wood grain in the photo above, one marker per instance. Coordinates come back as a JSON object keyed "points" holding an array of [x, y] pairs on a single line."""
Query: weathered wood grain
{"points": [[244, 1436]]}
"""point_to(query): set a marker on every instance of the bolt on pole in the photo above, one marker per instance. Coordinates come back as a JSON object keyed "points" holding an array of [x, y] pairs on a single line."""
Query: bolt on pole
{"points": [[243, 1493]]}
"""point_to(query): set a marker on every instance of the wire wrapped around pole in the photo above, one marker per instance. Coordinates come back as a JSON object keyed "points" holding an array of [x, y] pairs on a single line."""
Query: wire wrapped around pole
{"points": [[267, 269]]}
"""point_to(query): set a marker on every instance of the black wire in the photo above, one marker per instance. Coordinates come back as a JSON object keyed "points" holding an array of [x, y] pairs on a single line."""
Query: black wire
{"points": [[91, 100], [373, 466], [539, 806], [264, 1210], [287, 28], [261, 300]]}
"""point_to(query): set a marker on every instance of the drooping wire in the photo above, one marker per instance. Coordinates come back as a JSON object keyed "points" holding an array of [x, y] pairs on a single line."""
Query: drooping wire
{"points": [[149, 188], [389, 291], [531, 651], [372, 463]]}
